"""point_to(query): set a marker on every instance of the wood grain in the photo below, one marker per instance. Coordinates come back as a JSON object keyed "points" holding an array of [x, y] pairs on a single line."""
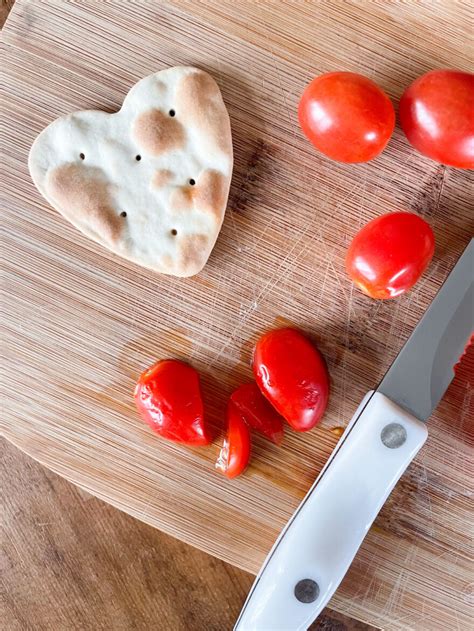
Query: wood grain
{"points": [[80, 324], [72, 562]]}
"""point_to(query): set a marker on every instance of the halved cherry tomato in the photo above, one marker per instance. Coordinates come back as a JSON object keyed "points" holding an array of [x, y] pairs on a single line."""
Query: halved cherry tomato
{"points": [[346, 116], [437, 116], [390, 254], [468, 350], [235, 452], [257, 411], [292, 374], [168, 397]]}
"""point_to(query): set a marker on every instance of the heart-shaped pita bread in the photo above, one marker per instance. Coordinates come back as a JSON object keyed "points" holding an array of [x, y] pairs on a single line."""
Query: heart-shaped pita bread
{"points": [[149, 182]]}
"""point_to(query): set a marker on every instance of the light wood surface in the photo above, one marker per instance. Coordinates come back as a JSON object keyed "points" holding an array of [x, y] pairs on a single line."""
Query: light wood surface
{"points": [[80, 324]]}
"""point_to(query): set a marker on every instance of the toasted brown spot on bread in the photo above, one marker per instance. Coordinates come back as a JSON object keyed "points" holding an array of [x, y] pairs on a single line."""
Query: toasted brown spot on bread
{"points": [[166, 262], [201, 105], [181, 199], [156, 132], [192, 253], [83, 195], [161, 178], [208, 195]]}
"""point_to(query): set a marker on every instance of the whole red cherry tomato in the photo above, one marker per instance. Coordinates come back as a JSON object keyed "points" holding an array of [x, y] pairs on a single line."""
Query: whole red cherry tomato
{"points": [[293, 376], [257, 411], [390, 254], [437, 116], [346, 116], [168, 397], [235, 452]]}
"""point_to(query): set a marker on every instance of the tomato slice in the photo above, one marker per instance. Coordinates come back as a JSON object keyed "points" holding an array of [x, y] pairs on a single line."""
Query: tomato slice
{"points": [[292, 375], [235, 452], [257, 412], [168, 397]]}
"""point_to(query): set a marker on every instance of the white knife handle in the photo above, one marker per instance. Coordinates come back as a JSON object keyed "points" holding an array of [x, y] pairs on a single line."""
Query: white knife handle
{"points": [[314, 551]]}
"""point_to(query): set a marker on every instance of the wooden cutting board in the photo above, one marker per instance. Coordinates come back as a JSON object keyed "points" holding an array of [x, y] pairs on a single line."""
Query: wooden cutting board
{"points": [[79, 324]]}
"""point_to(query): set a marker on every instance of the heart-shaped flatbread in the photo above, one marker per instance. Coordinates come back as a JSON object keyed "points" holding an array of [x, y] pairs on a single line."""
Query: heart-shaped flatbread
{"points": [[149, 182]]}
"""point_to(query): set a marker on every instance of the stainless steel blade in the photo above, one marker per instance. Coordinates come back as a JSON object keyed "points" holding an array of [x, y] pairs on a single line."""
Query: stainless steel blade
{"points": [[424, 368]]}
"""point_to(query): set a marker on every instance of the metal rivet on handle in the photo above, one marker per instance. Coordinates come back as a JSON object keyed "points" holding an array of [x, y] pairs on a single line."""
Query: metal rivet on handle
{"points": [[306, 590], [393, 435]]}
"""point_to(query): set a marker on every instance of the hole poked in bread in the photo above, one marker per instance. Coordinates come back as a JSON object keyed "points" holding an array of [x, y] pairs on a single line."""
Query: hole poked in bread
{"points": [[123, 214], [82, 156], [156, 133]]}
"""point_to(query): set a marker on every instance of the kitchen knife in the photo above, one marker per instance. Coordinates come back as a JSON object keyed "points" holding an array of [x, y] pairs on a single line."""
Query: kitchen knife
{"points": [[316, 547]]}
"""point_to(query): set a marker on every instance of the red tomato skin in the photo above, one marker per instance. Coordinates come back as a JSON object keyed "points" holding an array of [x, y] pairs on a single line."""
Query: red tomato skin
{"points": [[235, 452], [292, 375], [389, 254], [467, 349], [437, 115], [168, 397], [257, 412], [346, 116]]}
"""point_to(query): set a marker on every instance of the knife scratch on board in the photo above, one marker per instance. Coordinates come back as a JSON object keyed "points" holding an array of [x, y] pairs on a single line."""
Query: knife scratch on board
{"points": [[381, 179], [428, 200], [321, 293], [216, 293], [346, 350], [424, 498], [262, 233], [267, 288], [283, 93], [466, 406], [417, 293]]}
